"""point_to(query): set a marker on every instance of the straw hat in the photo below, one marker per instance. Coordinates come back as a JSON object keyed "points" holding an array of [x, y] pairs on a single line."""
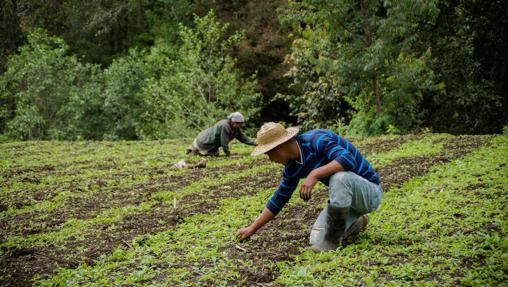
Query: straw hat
{"points": [[271, 135]]}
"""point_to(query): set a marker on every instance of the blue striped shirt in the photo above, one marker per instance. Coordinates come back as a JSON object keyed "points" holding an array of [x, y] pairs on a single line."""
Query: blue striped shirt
{"points": [[317, 148]]}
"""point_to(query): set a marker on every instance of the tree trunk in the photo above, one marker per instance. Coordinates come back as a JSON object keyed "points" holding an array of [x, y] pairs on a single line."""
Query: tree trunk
{"points": [[368, 39], [377, 95], [139, 10]]}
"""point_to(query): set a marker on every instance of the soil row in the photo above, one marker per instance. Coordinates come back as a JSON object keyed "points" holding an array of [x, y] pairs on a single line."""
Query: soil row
{"points": [[21, 264], [88, 205]]}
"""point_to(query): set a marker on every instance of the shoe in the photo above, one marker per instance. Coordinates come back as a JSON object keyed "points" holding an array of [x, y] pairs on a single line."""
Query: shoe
{"points": [[201, 163], [358, 226], [335, 227]]}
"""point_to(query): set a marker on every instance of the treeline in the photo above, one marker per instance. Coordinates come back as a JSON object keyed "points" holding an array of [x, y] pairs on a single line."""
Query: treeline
{"points": [[149, 69]]}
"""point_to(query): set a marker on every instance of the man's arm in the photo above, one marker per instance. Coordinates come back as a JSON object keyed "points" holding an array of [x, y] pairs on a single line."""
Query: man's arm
{"points": [[340, 160], [262, 219], [273, 206], [245, 139], [324, 171]]}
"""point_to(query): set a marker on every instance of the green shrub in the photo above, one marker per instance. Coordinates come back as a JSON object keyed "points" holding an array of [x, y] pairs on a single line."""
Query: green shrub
{"points": [[47, 93], [198, 83]]}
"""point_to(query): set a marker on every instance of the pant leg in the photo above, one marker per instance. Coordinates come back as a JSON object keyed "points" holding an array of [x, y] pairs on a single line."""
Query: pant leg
{"points": [[348, 189], [197, 150], [318, 229]]}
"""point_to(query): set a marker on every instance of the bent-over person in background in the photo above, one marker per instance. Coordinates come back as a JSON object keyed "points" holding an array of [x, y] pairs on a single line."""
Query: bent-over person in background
{"points": [[354, 186], [210, 140]]}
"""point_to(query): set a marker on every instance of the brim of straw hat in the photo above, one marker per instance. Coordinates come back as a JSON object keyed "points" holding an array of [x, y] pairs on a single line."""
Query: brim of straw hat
{"points": [[260, 149]]}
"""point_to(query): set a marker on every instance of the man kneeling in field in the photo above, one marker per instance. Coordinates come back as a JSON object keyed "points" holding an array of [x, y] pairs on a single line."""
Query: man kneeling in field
{"points": [[354, 186]]}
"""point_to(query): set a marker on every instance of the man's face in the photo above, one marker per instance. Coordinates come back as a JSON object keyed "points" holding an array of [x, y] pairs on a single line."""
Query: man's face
{"points": [[278, 155], [236, 125]]}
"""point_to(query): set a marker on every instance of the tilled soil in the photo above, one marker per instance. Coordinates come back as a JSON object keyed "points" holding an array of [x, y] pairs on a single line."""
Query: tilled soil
{"points": [[72, 170], [383, 145], [23, 263], [403, 169], [283, 237], [36, 175], [86, 205]]}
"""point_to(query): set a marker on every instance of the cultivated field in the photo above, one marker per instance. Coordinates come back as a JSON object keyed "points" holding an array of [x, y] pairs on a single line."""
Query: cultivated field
{"points": [[118, 213]]}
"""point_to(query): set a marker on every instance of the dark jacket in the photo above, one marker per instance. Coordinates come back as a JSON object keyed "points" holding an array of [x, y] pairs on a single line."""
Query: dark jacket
{"points": [[219, 136]]}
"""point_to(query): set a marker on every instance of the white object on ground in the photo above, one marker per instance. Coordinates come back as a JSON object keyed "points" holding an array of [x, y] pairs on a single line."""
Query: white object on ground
{"points": [[180, 164]]}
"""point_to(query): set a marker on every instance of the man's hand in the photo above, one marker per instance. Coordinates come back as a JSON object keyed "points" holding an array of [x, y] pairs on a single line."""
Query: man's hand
{"points": [[262, 219], [306, 188], [245, 232]]}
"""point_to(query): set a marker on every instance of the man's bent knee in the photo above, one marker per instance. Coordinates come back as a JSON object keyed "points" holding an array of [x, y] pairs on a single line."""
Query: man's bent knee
{"points": [[341, 178], [341, 192]]}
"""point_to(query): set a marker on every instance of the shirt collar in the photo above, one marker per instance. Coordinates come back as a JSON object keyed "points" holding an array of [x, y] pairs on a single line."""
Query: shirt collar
{"points": [[301, 154]]}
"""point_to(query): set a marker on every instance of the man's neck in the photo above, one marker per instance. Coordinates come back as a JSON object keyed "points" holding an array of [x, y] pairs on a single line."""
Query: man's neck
{"points": [[294, 151]]}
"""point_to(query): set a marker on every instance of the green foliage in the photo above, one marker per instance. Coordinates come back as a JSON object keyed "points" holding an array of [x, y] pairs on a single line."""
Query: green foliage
{"points": [[165, 92], [10, 32], [427, 146], [99, 31], [171, 91], [363, 54], [123, 98], [321, 103], [47, 93], [467, 102], [383, 67], [106, 152], [197, 86], [430, 231]]}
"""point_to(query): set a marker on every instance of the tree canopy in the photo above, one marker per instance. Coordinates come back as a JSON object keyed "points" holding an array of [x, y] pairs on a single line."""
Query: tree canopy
{"points": [[148, 69]]}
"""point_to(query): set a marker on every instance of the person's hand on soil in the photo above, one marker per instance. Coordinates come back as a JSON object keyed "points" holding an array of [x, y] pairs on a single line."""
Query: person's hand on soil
{"points": [[244, 233], [306, 188]]}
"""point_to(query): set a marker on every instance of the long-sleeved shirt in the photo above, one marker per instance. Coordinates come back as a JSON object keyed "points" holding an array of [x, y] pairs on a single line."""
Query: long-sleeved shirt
{"points": [[220, 135], [317, 148]]}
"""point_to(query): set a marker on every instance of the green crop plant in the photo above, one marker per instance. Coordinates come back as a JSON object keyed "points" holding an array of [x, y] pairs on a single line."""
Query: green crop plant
{"points": [[89, 175], [77, 228], [424, 234], [427, 146], [184, 234], [191, 254]]}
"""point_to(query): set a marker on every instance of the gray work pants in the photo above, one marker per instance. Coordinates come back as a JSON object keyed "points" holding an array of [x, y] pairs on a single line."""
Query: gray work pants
{"points": [[348, 189]]}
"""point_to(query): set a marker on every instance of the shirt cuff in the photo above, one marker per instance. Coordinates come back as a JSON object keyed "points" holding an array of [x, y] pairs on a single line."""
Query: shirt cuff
{"points": [[274, 209], [345, 163]]}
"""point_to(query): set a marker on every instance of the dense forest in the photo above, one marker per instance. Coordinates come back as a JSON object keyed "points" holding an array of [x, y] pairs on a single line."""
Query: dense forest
{"points": [[146, 69]]}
